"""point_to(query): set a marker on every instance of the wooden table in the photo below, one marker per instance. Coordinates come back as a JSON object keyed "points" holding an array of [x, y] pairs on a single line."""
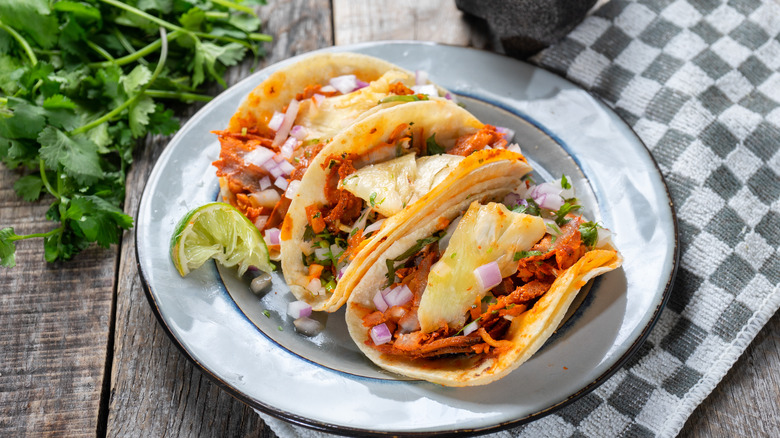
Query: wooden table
{"points": [[82, 354]]}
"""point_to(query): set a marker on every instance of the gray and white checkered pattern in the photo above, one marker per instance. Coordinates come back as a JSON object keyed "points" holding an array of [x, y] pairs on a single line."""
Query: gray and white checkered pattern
{"points": [[699, 81]]}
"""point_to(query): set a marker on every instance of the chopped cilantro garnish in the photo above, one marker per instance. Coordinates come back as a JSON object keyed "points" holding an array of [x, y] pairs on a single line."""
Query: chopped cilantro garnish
{"points": [[433, 147], [372, 199], [393, 264], [565, 183], [525, 254], [267, 313], [560, 215], [589, 233]]}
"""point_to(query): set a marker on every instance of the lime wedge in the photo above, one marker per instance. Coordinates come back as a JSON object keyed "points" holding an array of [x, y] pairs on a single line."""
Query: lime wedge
{"points": [[221, 232]]}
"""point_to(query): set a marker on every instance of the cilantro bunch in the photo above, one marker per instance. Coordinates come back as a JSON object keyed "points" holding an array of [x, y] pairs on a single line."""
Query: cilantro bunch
{"points": [[82, 81]]}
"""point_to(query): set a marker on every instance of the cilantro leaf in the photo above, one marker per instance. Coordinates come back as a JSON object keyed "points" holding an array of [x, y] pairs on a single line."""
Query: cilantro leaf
{"points": [[29, 187], [589, 232], [432, 146], [525, 254], [139, 115], [98, 220], [78, 156], [7, 248], [566, 208]]}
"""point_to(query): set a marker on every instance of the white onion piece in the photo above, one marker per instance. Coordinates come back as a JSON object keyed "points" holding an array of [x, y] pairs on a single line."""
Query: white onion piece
{"points": [[328, 89], [286, 168], [314, 286], [380, 334], [272, 236], [318, 99], [336, 250], [360, 84], [373, 227], [399, 296], [552, 227], [260, 222], [288, 148], [258, 156], [470, 328], [292, 189], [509, 134], [429, 89], [299, 132], [514, 147], [341, 272], [278, 158], [379, 302], [265, 182], [276, 121], [488, 276], [266, 198], [281, 182], [344, 84], [420, 77], [321, 253], [605, 238], [307, 326], [276, 172], [270, 164], [289, 119], [298, 309], [550, 201]]}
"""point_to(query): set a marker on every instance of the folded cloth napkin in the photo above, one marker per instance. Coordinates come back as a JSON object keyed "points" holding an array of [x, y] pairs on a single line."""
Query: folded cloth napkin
{"points": [[699, 81]]}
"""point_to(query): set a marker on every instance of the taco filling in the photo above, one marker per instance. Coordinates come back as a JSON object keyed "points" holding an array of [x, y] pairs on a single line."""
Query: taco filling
{"points": [[359, 200], [456, 293]]}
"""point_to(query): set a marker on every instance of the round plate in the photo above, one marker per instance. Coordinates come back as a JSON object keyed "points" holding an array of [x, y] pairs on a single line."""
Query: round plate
{"points": [[248, 345]]}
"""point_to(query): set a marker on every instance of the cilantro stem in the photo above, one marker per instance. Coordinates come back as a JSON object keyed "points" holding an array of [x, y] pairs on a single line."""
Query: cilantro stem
{"points": [[217, 15], [136, 55], [254, 36], [231, 5], [34, 235], [131, 100], [143, 14], [165, 94], [49, 188], [101, 51], [22, 42]]}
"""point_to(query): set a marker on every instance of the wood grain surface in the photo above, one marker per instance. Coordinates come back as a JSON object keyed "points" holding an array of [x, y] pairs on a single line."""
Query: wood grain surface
{"points": [[81, 353]]}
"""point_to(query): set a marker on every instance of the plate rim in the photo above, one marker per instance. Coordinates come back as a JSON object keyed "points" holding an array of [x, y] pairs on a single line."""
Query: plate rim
{"points": [[354, 431]]}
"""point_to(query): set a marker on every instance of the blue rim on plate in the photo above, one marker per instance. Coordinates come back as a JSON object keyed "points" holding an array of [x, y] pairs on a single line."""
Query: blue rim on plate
{"points": [[561, 127]]}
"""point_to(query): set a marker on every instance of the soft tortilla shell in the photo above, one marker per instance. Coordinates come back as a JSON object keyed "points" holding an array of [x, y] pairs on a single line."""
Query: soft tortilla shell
{"points": [[527, 333]]}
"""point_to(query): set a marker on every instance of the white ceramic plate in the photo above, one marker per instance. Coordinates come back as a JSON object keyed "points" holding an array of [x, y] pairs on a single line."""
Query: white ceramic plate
{"points": [[324, 382]]}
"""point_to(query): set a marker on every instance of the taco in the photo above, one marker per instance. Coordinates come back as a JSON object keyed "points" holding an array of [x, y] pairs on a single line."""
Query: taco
{"points": [[290, 116], [377, 174], [466, 303]]}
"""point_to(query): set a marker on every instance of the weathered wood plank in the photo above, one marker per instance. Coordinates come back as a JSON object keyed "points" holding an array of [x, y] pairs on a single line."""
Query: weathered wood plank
{"points": [[55, 328], [439, 21], [155, 390]]}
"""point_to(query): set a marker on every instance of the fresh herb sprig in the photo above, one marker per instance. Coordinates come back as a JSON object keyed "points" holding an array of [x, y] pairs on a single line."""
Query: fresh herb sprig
{"points": [[82, 81]]}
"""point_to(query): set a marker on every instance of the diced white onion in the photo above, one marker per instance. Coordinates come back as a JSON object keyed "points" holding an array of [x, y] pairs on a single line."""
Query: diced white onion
{"points": [[286, 168], [328, 89], [509, 134], [314, 286], [299, 132], [289, 119], [488, 275], [399, 296], [288, 148], [420, 77], [265, 182], [272, 236], [514, 147], [281, 183], [276, 172], [266, 198], [276, 121], [379, 302], [380, 334], [470, 328], [321, 253], [318, 98], [308, 326], [605, 238], [278, 158], [298, 309], [260, 222], [258, 156], [292, 189], [552, 227], [344, 84], [373, 227], [428, 89]]}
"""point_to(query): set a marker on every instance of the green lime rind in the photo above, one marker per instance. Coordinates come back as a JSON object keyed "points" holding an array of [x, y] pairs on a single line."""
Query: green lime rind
{"points": [[218, 231]]}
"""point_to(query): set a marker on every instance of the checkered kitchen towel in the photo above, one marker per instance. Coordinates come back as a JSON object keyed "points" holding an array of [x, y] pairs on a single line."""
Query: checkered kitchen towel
{"points": [[699, 81]]}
